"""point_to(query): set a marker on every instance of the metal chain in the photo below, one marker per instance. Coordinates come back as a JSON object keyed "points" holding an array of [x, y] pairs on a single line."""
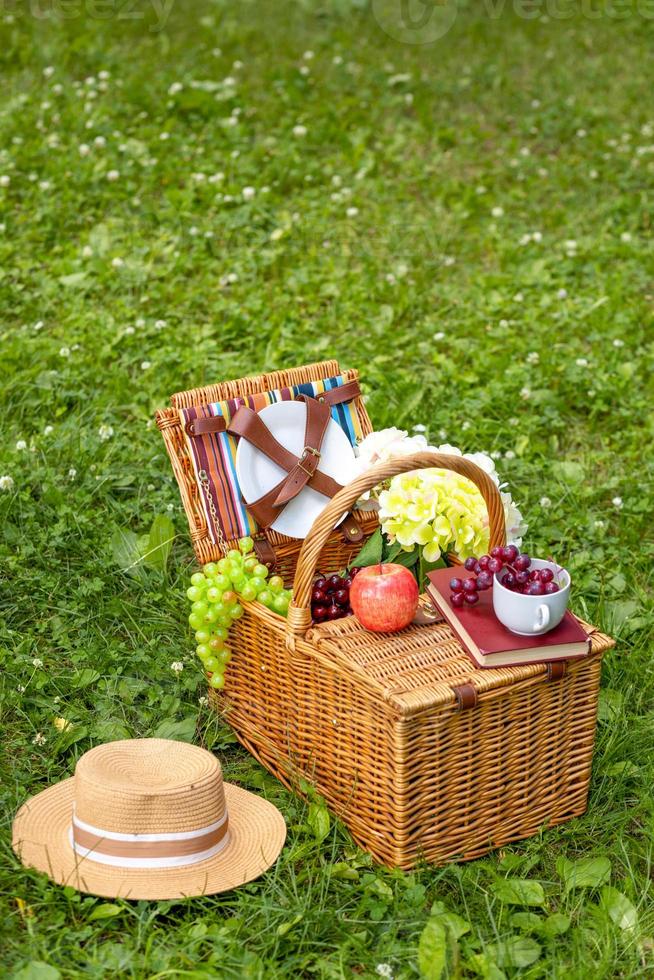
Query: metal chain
{"points": [[204, 480]]}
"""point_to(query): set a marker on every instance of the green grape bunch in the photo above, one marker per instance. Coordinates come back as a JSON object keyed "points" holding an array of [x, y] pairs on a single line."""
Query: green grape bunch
{"points": [[214, 595]]}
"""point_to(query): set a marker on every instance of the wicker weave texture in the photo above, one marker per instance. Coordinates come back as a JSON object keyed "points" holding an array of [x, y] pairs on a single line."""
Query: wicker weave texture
{"points": [[375, 721]]}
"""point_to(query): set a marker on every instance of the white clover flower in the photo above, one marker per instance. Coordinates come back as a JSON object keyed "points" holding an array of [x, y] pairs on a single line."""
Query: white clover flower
{"points": [[113, 175], [48, 430], [84, 149], [299, 130], [21, 445], [99, 141], [164, 136], [600, 524], [480, 189], [64, 352], [384, 970], [193, 231], [117, 262], [524, 239], [525, 393], [44, 185], [593, 174], [146, 365], [177, 666], [448, 260], [518, 298], [497, 212], [5, 180], [72, 473], [216, 178], [581, 133], [304, 70], [562, 293], [533, 357], [248, 193], [105, 432], [276, 234], [337, 60], [37, 662], [570, 244], [158, 324], [536, 236], [439, 335], [308, 55], [420, 427], [617, 502], [625, 236], [87, 252], [229, 279], [39, 739], [509, 454], [6, 483], [545, 502], [175, 88], [352, 212], [203, 701], [21, 689], [48, 72], [618, 342], [581, 362]]}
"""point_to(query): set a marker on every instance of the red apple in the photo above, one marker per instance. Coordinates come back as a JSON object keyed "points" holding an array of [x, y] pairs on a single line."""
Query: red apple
{"points": [[384, 598]]}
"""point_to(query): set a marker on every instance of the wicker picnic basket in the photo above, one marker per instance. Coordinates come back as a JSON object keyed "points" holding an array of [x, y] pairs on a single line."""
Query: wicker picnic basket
{"points": [[423, 756]]}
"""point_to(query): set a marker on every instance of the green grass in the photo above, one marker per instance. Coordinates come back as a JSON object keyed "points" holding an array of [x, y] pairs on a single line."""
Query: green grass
{"points": [[437, 300]]}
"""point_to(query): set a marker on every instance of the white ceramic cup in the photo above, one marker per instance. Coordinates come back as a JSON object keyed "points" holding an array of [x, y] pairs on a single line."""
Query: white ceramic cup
{"points": [[532, 615]]}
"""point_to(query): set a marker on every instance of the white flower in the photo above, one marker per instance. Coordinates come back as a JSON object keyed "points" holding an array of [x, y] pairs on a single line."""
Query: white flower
{"points": [[304, 69], [518, 298], [117, 262], [230, 278], [64, 352], [384, 970], [593, 175], [48, 72], [146, 365], [509, 454], [216, 178], [6, 483], [581, 133], [248, 193], [177, 666], [39, 739], [21, 445], [581, 362], [158, 324], [87, 252], [44, 185], [99, 141], [5, 180], [420, 427], [439, 335], [113, 175], [545, 502], [617, 502], [525, 393], [337, 60], [570, 244], [72, 473], [84, 149], [203, 701], [48, 430], [175, 88], [618, 343], [105, 432], [299, 130], [352, 212], [625, 236], [533, 357], [37, 662], [536, 236], [308, 55], [21, 689], [600, 524], [497, 212], [562, 293]]}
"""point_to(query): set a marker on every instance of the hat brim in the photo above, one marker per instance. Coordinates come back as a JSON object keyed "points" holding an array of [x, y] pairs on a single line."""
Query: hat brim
{"points": [[41, 840]]}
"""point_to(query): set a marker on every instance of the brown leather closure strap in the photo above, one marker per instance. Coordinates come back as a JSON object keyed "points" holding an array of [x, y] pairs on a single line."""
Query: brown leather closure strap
{"points": [[318, 416], [344, 393], [350, 530], [265, 552], [466, 695], [201, 427], [556, 670]]}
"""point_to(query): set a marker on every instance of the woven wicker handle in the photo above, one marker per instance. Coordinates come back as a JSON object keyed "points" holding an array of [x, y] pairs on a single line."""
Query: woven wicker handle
{"points": [[299, 613]]}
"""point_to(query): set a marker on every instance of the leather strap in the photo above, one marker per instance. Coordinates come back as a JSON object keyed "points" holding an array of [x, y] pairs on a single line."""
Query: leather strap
{"points": [[216, 423], [466, 695], [351, 530], [265, 552], [318, 416], [556, 670]]}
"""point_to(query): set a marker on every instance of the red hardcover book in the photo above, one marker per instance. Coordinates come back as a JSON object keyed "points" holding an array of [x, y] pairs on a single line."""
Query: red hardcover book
{"points": [[490, 644]]}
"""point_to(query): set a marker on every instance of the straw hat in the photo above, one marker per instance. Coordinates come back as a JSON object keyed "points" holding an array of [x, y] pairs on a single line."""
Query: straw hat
{"points": [[148, 818]]}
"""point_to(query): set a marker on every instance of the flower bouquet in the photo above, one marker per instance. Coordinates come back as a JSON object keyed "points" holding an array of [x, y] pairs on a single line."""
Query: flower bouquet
{"points": [[428, 514]]}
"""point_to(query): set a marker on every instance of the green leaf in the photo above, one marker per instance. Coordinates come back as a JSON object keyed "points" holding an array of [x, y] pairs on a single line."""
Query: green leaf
{"points": [[619, 909], [285, 927], [455, 924], [527, 921], [485, 967], [371, 552], [319, 820], [432, 950], [342, 871], [126, 551], [85, 677], [568, 471], [519, 891], [74, 279], [108, 910], [72, 735], [584, 873], [183, 730], [408, 558], [610, 705], [37, 970], [555, 925], [160, 541], [516, 951]]}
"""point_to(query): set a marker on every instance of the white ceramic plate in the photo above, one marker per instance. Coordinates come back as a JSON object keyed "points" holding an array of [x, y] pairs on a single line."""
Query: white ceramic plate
{"points": [[257, 474]]}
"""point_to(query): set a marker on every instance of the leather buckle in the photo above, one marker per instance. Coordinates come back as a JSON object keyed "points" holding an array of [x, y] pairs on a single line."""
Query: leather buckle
{"points": [[308, 451]]}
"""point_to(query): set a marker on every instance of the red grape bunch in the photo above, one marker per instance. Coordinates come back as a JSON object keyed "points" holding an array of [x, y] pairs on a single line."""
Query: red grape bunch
{"points": [[330, 597], [518, 577]]}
